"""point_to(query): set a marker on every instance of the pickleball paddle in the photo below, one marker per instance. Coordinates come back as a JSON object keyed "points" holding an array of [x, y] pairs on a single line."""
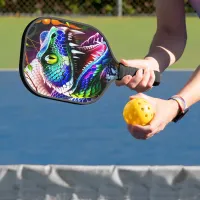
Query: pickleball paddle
{"points": [[68, 61]]}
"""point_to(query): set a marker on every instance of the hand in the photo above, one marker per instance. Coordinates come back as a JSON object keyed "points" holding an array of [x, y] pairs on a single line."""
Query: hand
{"points": [[141, 82], [166, 111]]}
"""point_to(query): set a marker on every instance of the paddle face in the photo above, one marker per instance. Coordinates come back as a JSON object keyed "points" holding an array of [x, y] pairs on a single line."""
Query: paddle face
{"points": [[66, 61]]}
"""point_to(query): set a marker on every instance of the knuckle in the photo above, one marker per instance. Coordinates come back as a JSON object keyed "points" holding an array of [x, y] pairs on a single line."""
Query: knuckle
{"points": [[126, 79], [143, 84], [134, 80], [139, 76], [131, 85]]}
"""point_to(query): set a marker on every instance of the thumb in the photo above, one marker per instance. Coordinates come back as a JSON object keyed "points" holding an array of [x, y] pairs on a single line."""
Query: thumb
{"points": [[124, 62], [138, 95], [134, 63]]}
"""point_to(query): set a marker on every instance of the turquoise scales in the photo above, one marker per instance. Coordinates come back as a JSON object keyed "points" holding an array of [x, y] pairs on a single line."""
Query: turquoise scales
{"points": [[56, 69]]}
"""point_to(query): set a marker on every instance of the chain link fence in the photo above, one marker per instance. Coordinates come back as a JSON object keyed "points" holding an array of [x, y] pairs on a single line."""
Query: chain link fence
{"points": [[80, 7]]}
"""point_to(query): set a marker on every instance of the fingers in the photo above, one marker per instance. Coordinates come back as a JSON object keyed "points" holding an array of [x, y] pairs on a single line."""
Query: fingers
{"points": [[142, 81], [143, 133], [125, 80], [151, 79], [134, 133], [146, 83], [131, 63], [145, 79], [134, 63], [139, 132], [146, 132], [136, 79], [140, 95]]}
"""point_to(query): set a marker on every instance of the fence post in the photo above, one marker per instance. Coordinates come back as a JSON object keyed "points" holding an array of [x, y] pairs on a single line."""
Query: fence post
{"points": [[119, 7]]}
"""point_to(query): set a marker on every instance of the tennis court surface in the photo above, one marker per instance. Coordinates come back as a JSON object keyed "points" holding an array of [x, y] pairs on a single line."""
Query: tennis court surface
{"points": [[40, 131]]}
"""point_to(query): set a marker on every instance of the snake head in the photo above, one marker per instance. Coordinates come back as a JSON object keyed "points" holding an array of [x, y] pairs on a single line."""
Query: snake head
{"points": [[58, 57]]}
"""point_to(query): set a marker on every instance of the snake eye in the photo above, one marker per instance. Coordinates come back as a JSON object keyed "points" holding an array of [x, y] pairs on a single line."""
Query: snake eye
{"points": [[51, 59]]}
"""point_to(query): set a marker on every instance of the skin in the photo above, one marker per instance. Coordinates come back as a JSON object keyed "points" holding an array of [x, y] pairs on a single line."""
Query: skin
{"points": [[166, 110], [166, 48]]}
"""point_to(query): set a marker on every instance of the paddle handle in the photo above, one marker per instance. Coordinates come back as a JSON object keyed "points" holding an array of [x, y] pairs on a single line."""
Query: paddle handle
{"points": [[123, 71]]}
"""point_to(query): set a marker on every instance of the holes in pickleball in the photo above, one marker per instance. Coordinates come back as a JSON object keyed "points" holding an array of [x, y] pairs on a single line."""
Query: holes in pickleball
{"points": [[142, 109], [146, 115]]}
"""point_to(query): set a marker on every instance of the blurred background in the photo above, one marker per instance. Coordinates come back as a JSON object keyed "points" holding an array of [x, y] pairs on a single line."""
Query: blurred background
{"points": [[129, 25], [41, 131], [81, 7]]}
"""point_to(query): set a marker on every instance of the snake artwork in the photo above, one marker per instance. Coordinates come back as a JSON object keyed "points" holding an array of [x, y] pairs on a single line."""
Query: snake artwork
{"points": [[66, 68]]}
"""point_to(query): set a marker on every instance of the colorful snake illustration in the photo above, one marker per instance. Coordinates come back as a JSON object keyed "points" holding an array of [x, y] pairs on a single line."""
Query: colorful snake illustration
{"points": [[56, 71]]}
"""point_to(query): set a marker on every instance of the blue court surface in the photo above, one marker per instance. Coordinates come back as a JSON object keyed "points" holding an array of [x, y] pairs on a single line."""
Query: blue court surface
{"points": [[40, 131]]}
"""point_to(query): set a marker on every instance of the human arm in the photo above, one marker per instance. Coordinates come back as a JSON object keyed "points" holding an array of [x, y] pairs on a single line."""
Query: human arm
{"points": [[167, 110], [166, 48]]}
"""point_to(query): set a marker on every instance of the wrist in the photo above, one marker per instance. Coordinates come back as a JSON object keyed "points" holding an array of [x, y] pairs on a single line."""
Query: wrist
{"points": [[182, 107], [153, 63], [175, 106]]}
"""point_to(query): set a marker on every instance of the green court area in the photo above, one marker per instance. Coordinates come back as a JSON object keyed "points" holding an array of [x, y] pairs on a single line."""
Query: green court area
{"points": [[129, 38]]}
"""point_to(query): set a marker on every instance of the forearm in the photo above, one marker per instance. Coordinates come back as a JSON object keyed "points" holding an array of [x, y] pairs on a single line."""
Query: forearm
{"points": [[166, 48], [170, 38], [191, 91]]}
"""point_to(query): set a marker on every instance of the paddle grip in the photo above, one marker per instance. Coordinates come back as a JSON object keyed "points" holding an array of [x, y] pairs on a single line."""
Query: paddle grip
{"points": [[123, 71]]}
